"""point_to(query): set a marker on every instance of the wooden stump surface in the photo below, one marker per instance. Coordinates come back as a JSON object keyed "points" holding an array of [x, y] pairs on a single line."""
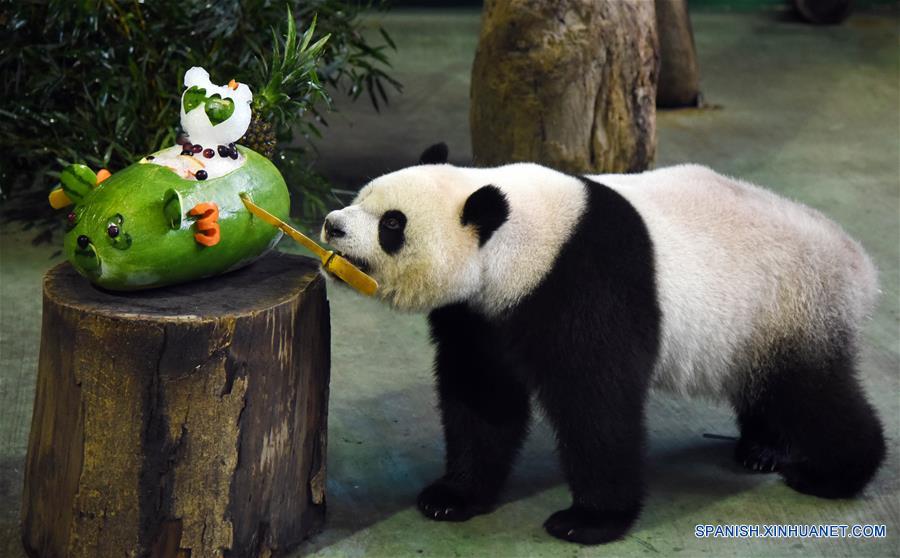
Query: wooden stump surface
{"points": [[183, 421]]}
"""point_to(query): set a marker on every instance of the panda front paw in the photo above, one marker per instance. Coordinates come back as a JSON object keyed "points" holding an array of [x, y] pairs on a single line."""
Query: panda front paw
{"points": [[583, 526], [759, 457], [442, 502]]}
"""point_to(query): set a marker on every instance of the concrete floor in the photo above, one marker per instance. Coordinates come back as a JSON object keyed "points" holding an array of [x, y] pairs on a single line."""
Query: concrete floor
{"points": [[809, 112]]}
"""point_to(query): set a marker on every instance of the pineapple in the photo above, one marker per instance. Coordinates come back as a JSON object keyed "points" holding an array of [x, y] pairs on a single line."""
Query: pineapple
{"points": [[260, 136], [291, 87]]}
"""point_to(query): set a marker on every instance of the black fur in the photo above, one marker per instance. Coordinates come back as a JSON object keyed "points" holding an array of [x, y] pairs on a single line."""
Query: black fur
{"points": [[808, 419], [435, 155], [485, 410], [487, 209], [584, 342], [391, 231]]}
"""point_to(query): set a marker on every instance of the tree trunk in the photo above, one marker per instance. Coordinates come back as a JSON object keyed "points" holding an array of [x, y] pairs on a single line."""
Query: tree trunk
{"points": [[679, 75], [187, 421], [824, 12], [568, 83]]}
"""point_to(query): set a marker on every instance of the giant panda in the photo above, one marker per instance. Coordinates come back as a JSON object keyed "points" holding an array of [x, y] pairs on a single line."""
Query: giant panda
{"points": [[583, 292]]}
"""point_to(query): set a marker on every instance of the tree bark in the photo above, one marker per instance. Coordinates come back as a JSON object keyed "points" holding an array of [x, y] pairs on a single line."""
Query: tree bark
{"points": [[567, 83], [679, 75], [187, 421]]}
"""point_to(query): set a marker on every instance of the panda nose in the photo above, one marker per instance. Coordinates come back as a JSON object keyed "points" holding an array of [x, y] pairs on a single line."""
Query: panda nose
{"points": [[332, 230]]}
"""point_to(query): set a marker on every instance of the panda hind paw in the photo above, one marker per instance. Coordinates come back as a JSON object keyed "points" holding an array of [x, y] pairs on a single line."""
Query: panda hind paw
{"points": [[442, 502], [583, 526]]}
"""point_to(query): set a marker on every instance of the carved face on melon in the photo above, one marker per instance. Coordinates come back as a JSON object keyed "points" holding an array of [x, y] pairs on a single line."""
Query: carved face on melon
{"points": [[213, 115], [176, 215]]}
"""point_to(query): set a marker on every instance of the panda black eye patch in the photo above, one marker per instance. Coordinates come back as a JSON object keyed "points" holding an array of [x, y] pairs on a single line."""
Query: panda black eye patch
{"points": [[391, 231]]}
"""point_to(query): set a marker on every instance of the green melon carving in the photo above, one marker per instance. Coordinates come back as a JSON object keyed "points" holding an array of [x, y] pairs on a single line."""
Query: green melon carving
{"points": [[155, 244]]}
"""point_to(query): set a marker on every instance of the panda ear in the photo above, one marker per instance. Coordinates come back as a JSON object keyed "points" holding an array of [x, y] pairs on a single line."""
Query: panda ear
{"points": [[435, 155], [487, 209]]}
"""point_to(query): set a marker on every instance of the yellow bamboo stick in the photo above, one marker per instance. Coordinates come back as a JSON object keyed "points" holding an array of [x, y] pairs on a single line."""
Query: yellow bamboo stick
{"points": [[331, 261]]}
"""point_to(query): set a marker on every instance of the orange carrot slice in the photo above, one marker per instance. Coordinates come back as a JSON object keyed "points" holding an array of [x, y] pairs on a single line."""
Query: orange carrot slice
{"points": [[59, 199], [208, 237], [208, 233]]}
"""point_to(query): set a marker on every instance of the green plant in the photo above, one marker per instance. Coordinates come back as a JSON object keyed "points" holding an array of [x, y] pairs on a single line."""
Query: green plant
{"points": [[289, 87], [99, 81]]}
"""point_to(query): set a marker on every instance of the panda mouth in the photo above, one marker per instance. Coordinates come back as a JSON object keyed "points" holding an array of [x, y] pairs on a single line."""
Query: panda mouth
{"points": [[360, 263]]}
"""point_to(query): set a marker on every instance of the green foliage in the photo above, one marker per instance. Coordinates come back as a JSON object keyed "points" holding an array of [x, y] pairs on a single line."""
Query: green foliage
{"points": [[99, 81], [291, 80]]}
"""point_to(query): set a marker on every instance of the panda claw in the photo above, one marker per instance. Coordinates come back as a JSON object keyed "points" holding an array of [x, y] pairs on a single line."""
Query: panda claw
{"points": [[584, 526], [443, 502], [759, 457]]}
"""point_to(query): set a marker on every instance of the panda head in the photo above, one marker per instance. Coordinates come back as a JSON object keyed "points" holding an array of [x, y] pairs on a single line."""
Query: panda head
{"points": [[419, 232]]}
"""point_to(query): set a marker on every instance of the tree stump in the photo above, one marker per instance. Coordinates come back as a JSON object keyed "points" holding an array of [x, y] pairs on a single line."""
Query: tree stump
{"points": [[187, 421], [567, 83], [679, 74]]}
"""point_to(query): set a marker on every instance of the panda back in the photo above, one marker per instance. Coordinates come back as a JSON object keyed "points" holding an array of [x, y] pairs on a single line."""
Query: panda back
{"points": [[740, 270]]}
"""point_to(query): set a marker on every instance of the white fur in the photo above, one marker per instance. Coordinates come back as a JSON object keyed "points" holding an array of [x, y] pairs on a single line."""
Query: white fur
{"points": [[441, 262], [739, 268], [545, 207]]}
